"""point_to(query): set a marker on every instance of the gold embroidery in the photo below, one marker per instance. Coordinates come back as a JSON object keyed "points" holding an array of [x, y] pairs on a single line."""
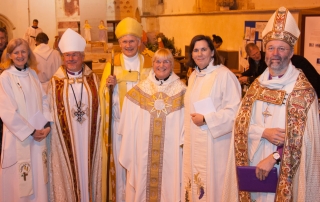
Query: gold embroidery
{"points": [[159, 105], [199, 183], [298, 104], [271, 96]]}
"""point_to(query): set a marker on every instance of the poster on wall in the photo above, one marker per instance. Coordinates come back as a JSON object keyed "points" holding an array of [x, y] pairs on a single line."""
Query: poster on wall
{"points": [[253, 32], [312, 41]]}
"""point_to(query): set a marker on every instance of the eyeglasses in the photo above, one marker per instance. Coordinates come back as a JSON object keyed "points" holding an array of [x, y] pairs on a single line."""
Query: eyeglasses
{"points": [[165, 62], [73, 55], [280, 49]]}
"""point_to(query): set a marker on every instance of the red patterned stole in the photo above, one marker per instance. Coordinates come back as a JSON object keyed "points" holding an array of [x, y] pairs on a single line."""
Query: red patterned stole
{"points": [[298, 104]]}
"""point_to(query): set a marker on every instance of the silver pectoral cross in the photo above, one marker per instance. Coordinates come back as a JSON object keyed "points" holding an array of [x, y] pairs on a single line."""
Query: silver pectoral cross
{"points": [[79, 113]]}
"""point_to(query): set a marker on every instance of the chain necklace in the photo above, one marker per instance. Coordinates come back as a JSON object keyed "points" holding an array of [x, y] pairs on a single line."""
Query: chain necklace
{"points": [[79, 113], [266, 113]]}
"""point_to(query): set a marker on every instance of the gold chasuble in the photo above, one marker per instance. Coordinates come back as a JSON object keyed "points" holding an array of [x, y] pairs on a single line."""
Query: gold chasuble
{"points": [[65, 148], [123, 76], [297, 106], [151, 145]]}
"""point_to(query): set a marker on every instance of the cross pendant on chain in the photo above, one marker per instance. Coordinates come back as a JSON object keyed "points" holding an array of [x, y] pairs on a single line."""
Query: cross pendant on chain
{"points": [[266, 114], [79, 113]]}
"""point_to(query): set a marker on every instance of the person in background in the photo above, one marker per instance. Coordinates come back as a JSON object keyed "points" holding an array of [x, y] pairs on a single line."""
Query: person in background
{"points": [[130, 67], [3, 46], [277, 125], [75, 151], [49, 60], [211, 102], [24, 109], [31, 33], [154, 127], [257, 64], [217, 41]]}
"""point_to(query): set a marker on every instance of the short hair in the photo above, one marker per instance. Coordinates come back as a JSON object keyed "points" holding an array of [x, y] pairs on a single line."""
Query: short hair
{"points": [[42, 38], [4, 30], [217, 38], [12, 45], [163, 53], [35, 20], [216, 58], [250, 46]]}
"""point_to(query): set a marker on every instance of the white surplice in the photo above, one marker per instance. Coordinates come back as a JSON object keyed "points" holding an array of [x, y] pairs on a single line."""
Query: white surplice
{"points": [[135, 128], [17, 128], [30, 36], [205, 152]]}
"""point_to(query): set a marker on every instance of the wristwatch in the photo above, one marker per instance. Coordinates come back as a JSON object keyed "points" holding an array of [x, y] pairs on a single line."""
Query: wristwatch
{"points": [[276, 157]]}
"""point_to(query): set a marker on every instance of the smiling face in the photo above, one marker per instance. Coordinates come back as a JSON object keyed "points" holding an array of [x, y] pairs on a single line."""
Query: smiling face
{"points": [[202, 54], [19, 56], [129, 45], [278, 55], [162, 63], [73, 60], [162, 68]]}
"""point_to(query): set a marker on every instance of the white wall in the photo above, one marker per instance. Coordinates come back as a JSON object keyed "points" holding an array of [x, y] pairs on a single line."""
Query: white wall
{"points": [[17, 12]]}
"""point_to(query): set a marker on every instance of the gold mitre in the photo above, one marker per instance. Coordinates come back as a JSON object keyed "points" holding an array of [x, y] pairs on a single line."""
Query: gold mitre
{"points": [[281, 26], [128, 26]]}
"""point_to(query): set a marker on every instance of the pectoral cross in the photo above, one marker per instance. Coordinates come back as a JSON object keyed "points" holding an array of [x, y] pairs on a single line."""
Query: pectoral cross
{"points": [[24, 175], [266, 114], [79, 113]]}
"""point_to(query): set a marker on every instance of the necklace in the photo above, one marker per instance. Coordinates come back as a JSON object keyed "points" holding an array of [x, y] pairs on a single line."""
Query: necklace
{"points": [[266, 113], [79, 113]]}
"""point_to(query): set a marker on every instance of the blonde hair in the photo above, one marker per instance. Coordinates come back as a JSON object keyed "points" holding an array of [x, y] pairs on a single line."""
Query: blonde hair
{"points": [[12, 45], [163, 53]]}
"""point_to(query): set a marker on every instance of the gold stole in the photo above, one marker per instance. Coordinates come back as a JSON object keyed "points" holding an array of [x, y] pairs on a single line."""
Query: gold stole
{"points": [[159, 105], [298, 104], [61, 111]]}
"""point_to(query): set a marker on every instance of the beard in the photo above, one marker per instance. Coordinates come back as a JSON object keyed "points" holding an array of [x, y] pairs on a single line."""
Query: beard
{"points": [[279, 65]]}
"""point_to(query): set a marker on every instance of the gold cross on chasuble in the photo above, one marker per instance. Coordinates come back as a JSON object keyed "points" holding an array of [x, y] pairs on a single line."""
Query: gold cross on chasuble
{"points": [[159, 105]]}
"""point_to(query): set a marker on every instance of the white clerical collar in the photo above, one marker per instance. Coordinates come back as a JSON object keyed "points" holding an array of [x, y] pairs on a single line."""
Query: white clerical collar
{"points": [[74, 73], [130, 58]]}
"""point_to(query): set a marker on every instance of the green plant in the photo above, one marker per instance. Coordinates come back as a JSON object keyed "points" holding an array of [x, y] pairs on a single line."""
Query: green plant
{"points": [[168, 43]]}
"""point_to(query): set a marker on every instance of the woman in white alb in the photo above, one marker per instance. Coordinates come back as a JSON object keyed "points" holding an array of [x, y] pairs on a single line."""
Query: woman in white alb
{"points": [[23, 173], [211, 102]]}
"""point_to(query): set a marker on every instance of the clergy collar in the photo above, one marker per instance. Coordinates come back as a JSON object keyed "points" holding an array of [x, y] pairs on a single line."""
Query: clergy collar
{"points": [[74, 73], [274, 77], [23, 69], [202, 68], [162, 80]]}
